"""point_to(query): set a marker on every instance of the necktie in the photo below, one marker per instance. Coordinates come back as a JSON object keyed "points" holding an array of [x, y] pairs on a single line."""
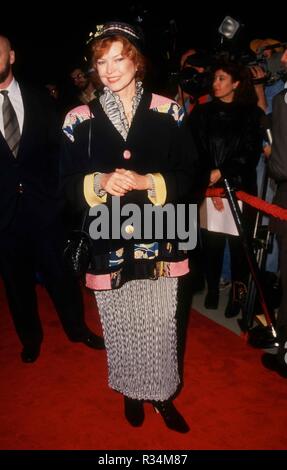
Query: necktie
{"points": [[11, 124]]}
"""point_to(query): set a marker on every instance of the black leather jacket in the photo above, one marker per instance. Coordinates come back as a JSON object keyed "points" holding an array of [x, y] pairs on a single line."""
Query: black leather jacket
{"points": [[228, 137]]}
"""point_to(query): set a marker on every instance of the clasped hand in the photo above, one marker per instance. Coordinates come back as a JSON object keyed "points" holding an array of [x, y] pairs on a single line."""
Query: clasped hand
{"points": [[120, 181]]}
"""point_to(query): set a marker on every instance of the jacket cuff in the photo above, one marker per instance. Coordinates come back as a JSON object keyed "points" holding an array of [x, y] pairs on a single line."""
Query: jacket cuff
{"points": [[159, 197], [89, 193]]}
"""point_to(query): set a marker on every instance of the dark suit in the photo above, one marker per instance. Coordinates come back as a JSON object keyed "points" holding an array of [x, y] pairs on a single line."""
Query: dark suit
{"points": [[278, 170], [31, 230]]}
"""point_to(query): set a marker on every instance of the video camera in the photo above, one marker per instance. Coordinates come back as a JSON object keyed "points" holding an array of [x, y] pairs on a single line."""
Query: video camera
{"points": [[270, 63], [196, 74], [197, 83], [195, 78]]}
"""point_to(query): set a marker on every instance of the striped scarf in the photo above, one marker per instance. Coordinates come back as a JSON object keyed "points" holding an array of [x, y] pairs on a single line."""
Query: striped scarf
{"points": [[114, 109]]}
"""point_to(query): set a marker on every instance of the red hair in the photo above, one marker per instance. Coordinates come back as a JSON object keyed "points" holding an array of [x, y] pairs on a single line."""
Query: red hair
{"points": [[99, 47]]}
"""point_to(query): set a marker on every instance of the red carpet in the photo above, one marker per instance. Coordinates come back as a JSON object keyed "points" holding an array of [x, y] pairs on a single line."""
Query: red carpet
{"points": [[62, 401]]}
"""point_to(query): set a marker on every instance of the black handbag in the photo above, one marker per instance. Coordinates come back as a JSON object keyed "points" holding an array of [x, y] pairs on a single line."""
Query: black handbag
{"points": [[78, 250], [79, 247]]}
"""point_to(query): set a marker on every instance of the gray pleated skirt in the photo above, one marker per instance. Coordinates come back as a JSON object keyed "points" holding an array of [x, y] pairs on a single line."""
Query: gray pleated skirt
{"points": [[140, 334]]}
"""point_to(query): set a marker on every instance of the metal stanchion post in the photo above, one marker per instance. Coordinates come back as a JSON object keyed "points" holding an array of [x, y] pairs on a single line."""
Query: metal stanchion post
{"points": [[252, 263], [261, 243]]}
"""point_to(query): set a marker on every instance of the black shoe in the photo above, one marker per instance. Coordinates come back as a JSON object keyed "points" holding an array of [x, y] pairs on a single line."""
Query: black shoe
{"points": [[30, 353], [93, 341], [171, 416], [236, 300], [282, 345], [263, 337], [211, 299], [271, 362], [232, 309], [134, 411]]}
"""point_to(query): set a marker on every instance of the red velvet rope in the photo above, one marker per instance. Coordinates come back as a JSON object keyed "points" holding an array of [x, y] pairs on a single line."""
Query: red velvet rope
{"points": [[256, 202]]}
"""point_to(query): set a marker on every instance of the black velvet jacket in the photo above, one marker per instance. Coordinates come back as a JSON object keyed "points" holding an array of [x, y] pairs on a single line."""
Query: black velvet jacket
{"points": [[157, 145], [156, 142]]}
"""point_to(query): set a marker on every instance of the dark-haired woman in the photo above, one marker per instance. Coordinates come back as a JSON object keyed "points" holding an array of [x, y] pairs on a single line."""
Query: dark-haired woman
{"points": [[229, 142]]}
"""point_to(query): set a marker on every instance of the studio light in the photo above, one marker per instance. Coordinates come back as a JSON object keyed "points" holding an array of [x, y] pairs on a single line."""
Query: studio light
{"points": [[229, 27]]}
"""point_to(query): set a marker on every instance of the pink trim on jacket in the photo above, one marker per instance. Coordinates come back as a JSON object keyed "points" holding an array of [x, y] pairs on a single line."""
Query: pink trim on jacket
{"points": [[103, 281]]}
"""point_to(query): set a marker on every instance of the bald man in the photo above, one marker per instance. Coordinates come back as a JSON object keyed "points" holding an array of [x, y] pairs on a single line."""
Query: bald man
{"points": [[31, 229]]}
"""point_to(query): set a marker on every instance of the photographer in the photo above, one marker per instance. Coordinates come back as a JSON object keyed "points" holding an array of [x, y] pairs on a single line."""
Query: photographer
{"points": [[267, 73], [277, 166], [188, 94], [268, 81]]}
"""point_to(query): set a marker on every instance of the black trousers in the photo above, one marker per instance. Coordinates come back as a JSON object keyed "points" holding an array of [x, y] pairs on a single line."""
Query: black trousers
{"points": [[213, 249], [282, 312], [24, 250]]}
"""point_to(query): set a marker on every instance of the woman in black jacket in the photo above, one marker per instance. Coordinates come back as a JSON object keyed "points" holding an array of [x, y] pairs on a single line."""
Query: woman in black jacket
{"points": [[228, 138], [126, 150]]}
